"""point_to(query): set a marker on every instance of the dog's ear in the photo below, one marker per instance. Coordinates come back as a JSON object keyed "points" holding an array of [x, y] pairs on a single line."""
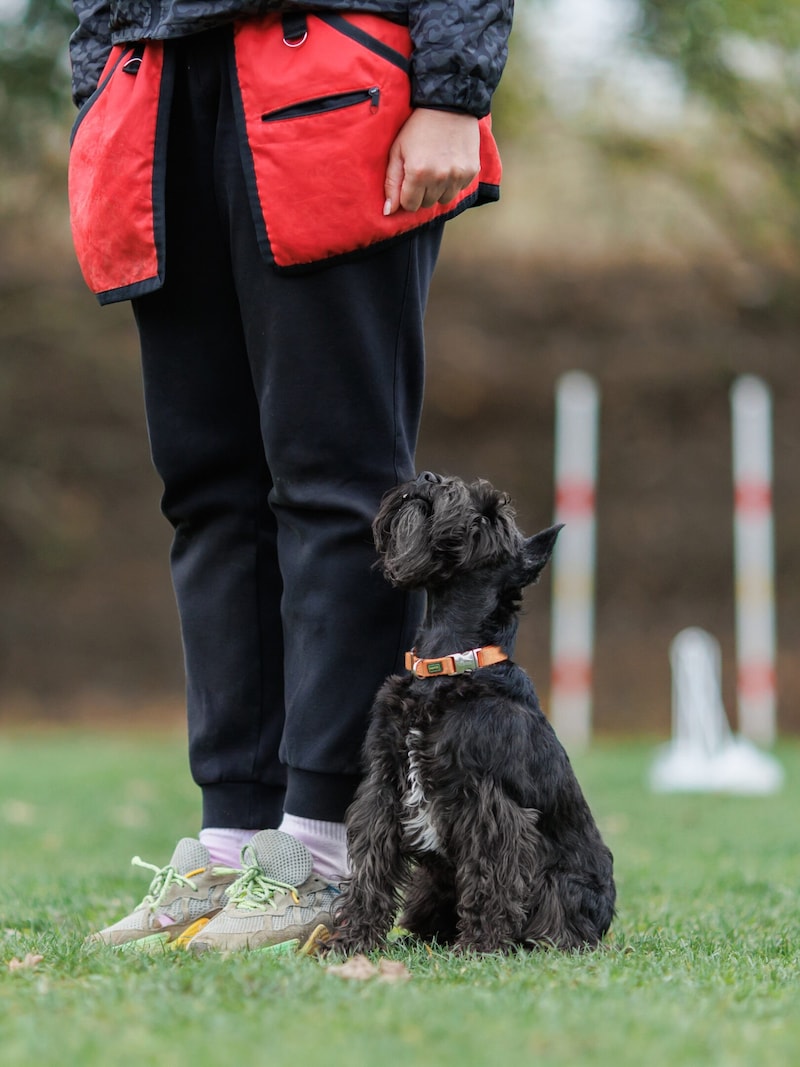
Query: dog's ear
{"points": [[401, 531], [391, 503], [537, 551]]}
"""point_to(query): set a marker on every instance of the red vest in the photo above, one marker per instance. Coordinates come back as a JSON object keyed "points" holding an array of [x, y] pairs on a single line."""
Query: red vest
{"points": [[319, 97]]}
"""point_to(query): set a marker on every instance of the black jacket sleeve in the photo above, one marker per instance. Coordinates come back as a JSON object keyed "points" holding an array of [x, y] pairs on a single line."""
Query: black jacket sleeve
{"points": [[89, 46], [460, 49]]}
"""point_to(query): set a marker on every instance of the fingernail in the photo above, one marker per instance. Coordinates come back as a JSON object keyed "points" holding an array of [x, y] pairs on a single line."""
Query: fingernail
{"points": [[387, 207]]}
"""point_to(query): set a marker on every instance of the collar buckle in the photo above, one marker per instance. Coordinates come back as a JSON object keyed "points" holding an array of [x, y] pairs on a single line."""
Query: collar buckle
{"points": [[463, 662]]}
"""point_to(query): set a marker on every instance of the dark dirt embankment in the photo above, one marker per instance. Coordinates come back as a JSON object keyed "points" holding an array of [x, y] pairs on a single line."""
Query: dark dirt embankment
{"points": [[87, 622]]}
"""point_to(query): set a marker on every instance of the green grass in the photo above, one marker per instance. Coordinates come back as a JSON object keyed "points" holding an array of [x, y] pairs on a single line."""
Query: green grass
{"points": [[702, 967]]}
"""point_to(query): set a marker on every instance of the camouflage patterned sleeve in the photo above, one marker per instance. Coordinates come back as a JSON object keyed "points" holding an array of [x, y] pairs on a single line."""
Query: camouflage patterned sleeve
{"points": [[89, 46], [460, 49]]}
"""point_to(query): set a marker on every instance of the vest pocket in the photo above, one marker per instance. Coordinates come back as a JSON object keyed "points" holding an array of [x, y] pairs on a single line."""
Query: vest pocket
{"points": [[116, 175], [319, 110]]}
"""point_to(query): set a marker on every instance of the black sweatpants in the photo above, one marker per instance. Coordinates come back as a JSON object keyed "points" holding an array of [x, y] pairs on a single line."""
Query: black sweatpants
{"points": [[279, 408]]}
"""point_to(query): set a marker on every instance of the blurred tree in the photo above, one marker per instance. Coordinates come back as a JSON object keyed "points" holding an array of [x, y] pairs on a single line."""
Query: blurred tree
{"points": [[34, 74], [743, 56], [737, 149]]}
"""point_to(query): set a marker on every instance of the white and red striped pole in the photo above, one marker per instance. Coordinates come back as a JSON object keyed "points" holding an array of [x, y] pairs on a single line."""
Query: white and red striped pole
{"points": [[754, 563], [572, 639]]}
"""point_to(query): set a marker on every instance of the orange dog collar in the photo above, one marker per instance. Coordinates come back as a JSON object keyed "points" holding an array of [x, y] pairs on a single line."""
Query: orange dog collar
{"points": [[457, 663]]}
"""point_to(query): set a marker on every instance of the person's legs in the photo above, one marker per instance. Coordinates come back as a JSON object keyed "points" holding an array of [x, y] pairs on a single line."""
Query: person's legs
{"points": [[280, 409], [337, 359]]}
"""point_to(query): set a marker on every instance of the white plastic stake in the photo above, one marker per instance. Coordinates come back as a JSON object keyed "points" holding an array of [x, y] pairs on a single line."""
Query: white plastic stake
{"points": [[754, 558], [704, 756], [572, 639]]}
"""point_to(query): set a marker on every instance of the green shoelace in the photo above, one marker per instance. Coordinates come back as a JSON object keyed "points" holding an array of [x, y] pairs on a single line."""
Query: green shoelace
{"points": [[253, 889], [165, 878]]}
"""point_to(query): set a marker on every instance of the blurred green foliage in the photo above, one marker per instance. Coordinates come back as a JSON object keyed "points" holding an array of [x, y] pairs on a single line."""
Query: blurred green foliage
{"points": [[743, 56], [34, 74], [693, 34]]}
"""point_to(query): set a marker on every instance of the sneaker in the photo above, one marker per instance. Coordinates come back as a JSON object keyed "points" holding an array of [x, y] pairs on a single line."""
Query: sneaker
{"points": [[182, 897], [277, 904]]}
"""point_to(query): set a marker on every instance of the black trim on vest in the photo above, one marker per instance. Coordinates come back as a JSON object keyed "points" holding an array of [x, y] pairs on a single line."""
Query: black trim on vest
{"points": [[248, 166], [130, 292], [160, 161], [86, 107], [341, 25]]}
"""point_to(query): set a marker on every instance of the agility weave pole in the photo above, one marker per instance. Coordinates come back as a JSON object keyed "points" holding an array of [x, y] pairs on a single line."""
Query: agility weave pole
{"points": [[572, 635], [754, 562], [572, 627]]}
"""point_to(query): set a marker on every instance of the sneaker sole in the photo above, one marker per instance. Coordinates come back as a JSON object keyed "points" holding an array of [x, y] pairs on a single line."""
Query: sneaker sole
{"points": [[165, 940], [318, 937]]}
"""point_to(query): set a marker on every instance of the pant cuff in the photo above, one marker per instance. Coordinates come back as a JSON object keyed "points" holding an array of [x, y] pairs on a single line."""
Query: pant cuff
{"points": [[242, 805], [326, 797]]}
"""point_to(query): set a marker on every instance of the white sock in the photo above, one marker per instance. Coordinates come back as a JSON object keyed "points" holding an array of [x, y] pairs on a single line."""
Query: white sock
{"points": [[225, 844], [326, 841]]}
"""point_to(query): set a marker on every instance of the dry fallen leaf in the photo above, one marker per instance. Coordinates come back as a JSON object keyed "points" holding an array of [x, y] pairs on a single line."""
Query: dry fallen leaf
{"points": [[360, 969], [393, 971], [31, 960], [357, 967]]}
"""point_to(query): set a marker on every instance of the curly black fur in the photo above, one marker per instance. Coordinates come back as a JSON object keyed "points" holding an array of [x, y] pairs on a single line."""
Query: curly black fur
{"points": [[470, 815]]}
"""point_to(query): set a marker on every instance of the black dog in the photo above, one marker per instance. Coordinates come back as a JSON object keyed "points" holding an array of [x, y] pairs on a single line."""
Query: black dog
{"points": [[470, 812]]}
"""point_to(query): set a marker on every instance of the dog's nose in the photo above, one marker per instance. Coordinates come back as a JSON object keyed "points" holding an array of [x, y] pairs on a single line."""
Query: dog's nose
{"points": [[428, 476]]}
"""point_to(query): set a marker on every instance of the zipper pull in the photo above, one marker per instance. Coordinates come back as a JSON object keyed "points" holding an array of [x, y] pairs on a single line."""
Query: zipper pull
{"points": [[374, 98]]}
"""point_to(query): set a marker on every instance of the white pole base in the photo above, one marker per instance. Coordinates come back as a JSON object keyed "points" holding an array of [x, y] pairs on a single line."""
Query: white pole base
{"points": [[737, 768], [704, 756]]}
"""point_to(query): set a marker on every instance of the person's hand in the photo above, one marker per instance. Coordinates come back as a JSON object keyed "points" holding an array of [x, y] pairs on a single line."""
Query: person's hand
{"points": [[435, 155]]}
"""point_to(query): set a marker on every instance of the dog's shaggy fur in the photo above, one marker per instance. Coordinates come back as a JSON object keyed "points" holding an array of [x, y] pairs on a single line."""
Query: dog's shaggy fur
{"points": [[470, 813]]}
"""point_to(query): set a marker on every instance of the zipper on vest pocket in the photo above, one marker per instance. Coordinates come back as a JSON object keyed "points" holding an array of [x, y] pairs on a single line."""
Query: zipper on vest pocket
{"points": [[320, 104]]}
